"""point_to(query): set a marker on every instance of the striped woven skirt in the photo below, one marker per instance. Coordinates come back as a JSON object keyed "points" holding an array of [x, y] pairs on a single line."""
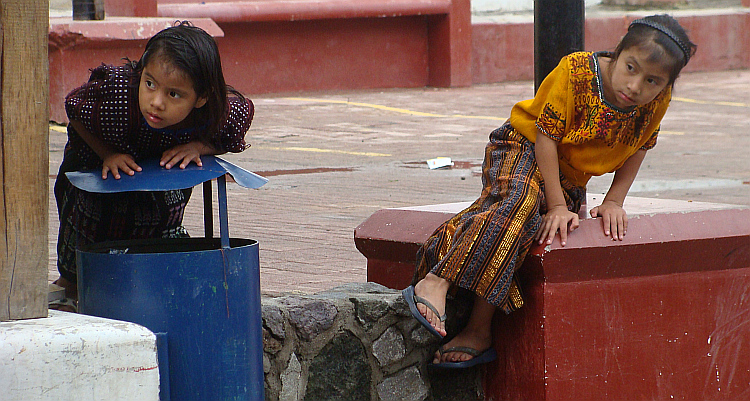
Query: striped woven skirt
{"points": [[481, 247]]}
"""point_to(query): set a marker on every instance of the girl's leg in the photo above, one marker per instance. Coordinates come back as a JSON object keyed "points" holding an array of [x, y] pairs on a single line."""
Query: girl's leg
{"points": [[433, 289], [479, 247], [477, 334]]}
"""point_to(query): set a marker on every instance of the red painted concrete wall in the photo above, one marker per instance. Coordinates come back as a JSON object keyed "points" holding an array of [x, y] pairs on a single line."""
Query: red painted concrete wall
{"points": [[503, 52], [662, 317], [363, 53], [315, 55], [130, 8]]}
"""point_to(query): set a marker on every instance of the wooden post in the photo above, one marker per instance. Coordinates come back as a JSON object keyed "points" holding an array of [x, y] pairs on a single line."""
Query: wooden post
{"points": [[24, 158]]}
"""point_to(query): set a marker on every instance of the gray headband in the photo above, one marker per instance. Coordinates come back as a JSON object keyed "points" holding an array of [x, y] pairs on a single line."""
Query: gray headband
{"points": [[661, 28]]}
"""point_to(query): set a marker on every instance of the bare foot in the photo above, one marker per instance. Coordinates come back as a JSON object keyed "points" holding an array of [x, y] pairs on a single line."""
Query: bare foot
{"points": [[434, 290], [466, 338], [476, 335], [70, 302]]}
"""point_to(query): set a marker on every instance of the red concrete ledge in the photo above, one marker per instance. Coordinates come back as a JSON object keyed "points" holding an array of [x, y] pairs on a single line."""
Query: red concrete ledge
{"points": [[296, 10], [661, 315], [65, 32], [390, 238]]}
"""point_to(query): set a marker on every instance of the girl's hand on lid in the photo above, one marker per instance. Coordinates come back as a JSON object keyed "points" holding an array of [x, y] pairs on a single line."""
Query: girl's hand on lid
{"points": [[183, 154], [116, 162]]}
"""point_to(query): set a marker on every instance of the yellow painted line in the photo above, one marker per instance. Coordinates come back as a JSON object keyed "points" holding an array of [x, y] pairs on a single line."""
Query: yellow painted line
{"points": [[318, 150], [735, 104], [393, 109], [732, 104], [686, 100], [478, 117], [422, 114], [58, 128]]}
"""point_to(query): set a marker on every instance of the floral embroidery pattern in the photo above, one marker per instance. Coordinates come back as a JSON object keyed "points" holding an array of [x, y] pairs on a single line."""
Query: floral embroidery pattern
{"points": [[593, 118]]}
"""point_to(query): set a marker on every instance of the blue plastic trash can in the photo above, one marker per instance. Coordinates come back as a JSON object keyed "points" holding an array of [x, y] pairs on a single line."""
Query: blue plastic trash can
{"points": [[200, 295]]}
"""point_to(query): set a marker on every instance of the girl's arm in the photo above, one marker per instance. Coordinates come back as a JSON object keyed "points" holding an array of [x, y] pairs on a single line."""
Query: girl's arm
{"points": [[231, 137], [558, 217], [614, 218], [111, 160]]}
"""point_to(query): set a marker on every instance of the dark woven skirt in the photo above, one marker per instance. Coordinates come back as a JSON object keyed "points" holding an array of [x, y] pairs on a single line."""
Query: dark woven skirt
{"points": [[87, 218], [481, 248]]}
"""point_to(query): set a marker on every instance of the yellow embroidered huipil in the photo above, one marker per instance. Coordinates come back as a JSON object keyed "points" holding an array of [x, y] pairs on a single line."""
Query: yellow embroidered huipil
{"points": [[594, 137]]}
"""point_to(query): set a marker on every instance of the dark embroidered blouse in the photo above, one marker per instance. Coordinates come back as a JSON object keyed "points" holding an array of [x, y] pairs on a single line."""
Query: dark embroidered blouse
{"points": [[107, 105]]}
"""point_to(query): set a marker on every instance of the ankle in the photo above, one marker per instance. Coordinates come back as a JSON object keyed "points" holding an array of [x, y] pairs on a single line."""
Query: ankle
{"points": [[435, 282], [71, 288]]}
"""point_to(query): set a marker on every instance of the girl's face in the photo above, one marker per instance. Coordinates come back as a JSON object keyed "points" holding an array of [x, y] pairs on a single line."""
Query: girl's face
{"points": [[166, 95], [635, 78]]}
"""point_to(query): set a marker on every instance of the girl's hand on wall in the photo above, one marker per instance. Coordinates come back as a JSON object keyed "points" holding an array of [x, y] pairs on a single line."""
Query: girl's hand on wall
{"points": [[184, 154], [614, 219], [558, 218], [117, 162]]}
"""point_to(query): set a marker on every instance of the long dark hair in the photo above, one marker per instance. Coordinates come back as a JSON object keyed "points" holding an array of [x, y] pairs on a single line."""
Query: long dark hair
{"points": [[668, 34], [193, 51]]}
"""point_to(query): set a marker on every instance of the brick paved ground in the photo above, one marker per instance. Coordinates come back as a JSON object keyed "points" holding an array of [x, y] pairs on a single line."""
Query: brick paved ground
{"points": [[335, 158]]}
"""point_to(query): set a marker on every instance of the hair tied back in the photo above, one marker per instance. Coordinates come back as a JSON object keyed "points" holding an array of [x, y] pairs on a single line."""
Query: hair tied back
{"points": [[663, 29]]}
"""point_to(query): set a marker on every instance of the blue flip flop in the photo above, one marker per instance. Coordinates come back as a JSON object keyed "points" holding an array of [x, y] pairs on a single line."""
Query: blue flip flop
{"points": [[479, 358], [412, 300]]}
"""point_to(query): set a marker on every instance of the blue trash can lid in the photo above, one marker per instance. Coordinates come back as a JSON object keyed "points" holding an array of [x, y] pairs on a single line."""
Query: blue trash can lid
{"points": [[154, 177]]}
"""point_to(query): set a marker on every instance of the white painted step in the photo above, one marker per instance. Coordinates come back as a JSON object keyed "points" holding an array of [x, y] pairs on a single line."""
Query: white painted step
{"points": [[68, 356]]}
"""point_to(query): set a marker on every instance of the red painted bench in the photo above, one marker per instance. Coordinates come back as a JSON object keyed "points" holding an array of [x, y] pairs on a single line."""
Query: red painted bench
{"points": [[75, 47], [294, 45], [661, 315], [284, 45]]}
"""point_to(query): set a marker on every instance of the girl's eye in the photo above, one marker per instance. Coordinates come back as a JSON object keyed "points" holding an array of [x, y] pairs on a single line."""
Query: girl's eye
{"points": [[630, 67], [149, 84], [174, 95]]}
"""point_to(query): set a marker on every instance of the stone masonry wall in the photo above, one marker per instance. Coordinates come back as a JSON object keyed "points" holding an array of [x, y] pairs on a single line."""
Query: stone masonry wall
{"points": [[357, 342]]}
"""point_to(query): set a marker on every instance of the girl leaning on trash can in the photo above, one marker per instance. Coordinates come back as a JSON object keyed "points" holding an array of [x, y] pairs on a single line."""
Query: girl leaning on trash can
{"points": [[173, 105], [595, 113]]}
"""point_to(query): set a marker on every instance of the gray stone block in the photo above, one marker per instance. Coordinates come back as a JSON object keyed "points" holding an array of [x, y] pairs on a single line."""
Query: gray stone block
{"points": [[273, 320], [310, 317], [390, 347], [406, 385], [340, 372], [291, 380]]}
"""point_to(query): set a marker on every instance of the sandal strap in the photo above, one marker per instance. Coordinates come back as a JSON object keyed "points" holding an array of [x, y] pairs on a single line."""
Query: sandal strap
{"points": [[466, 350], [427, 303]]}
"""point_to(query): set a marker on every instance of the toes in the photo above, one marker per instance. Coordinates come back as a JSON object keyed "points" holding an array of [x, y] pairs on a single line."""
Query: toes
{"points": [[432, 318]]}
